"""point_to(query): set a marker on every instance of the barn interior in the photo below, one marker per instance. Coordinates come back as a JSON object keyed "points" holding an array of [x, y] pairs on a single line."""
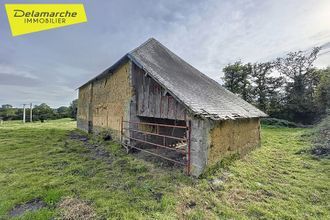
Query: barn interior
{"points": [[167, 138]]}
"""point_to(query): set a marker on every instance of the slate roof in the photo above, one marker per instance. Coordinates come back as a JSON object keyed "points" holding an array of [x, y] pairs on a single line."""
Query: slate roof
{"points": [[200, 94]]}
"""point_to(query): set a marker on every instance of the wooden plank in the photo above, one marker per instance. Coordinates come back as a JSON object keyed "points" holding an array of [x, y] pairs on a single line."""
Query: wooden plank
{"points": [[158, 96], [181, 112], [164, 101], [152, 100], [148, 96], [140, 89], [171, 107]]}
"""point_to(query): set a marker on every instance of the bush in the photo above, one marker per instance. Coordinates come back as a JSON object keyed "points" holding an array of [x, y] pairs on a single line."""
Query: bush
{"points": [[275, 122], [320, 137]]}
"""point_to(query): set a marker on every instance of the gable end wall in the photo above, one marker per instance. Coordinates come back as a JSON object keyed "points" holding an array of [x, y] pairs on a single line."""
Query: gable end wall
{"points": [[104, 102], [84, 102]]}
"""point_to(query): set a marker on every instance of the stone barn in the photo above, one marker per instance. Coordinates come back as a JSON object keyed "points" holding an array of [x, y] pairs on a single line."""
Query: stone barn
{"points": [[154, 101]]}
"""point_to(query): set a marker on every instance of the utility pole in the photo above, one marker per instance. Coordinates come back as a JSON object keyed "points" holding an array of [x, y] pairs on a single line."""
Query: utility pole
{"points": [[24, 113], [30, 112]]}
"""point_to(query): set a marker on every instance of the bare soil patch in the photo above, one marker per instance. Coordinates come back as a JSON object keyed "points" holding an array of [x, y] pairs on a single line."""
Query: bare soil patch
{"points": [[97, 150], [30, 206]]}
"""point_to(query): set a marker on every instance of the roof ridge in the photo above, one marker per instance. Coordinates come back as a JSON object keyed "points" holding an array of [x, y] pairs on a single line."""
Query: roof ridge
{"points": [[115, 64], [143, 44]]}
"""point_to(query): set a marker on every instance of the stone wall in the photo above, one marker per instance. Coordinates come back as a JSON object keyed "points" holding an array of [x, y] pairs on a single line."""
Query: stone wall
{"points": [[199, 145]]}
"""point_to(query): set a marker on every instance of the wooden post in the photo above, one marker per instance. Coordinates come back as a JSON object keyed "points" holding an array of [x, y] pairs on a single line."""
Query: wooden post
{"points": [[24, 113], [121, 130], [30, 112], [189, 147]]}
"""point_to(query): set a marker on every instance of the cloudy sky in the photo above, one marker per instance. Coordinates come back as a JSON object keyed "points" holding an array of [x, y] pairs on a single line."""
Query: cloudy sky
{"points": [[48, 66]]}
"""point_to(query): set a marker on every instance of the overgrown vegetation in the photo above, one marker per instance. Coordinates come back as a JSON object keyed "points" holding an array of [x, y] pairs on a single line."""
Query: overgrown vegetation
{"points": [[289, 88], [278, 123], [320, 137], [62, 169]]}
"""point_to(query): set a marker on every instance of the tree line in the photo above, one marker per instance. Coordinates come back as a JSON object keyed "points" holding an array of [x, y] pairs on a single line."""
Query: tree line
{"points": [[289, 87], [40, 112]]}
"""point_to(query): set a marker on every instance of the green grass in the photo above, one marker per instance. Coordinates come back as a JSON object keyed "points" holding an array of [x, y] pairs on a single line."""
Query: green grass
{"points": [[39, 160]]}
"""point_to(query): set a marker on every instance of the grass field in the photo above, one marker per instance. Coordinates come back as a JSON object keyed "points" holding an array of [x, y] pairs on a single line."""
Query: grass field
{"points": [[44, 164]]}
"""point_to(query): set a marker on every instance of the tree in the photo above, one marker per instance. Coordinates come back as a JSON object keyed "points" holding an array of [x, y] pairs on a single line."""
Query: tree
{"points": [[266, 89], [298, 69], [275, 97], [63, 112], [73, 109], [40, 112], [260, 78], [6, 106], [236, 79], [43, 112], [322, 90], [8, 113], [245, 82], [232, 76]]}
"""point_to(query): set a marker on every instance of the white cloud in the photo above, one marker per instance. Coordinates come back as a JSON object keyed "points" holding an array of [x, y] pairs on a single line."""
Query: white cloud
{"points": [[224, 31], [17, 71]]}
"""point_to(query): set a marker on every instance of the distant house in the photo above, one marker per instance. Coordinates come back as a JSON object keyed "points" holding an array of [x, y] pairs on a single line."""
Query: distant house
{"points": [[151, 99]]}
